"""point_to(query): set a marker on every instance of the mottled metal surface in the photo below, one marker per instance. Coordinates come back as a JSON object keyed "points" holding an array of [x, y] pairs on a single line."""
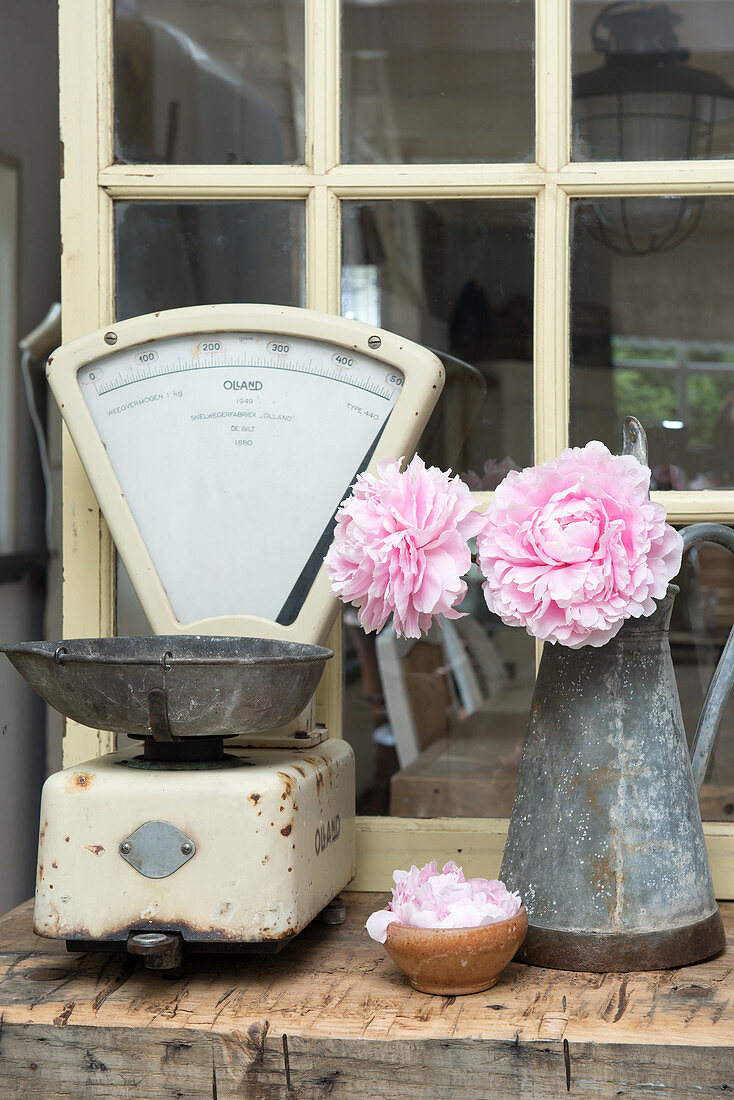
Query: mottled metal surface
{"points": [[617, 952], [213, 686], [605, 835]]}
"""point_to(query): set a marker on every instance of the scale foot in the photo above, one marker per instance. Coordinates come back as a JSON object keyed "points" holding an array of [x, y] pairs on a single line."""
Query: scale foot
{"points": [[159, 950], [335, 912]]}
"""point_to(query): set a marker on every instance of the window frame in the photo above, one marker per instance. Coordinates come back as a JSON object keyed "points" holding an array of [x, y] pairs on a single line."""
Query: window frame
{"points": [[90, 184]]}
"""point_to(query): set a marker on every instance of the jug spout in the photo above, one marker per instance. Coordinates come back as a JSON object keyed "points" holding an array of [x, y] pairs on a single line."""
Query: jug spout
{"points": [[723, 678]]}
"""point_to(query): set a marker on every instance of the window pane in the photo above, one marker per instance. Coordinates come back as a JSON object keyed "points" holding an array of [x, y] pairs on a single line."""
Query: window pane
{"points": [[173, 254], [425, 81], [456, 276], [653, 81], [653, 332], [215, 82], [438, 725]]}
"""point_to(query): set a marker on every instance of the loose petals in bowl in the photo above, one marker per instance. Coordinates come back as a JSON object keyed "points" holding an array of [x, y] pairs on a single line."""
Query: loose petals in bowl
{"points": [[401, 546], [574, 547], [428, 898]]}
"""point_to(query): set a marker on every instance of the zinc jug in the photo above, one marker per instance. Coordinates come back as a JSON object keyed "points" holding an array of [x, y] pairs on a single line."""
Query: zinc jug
{"points": [[605, 843]]}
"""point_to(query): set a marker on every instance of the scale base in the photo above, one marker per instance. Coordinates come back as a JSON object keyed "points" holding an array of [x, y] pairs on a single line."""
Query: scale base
{"points": [[165, 951], [227, 858]]}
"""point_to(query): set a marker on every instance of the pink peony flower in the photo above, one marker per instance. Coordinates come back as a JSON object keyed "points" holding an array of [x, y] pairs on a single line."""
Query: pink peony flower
{"points": [[400, 546], [574, 547], [426, 898]]}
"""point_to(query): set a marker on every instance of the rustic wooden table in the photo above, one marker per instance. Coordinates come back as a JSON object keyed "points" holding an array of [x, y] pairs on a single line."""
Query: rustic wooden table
{"points": [[332, 1017]]}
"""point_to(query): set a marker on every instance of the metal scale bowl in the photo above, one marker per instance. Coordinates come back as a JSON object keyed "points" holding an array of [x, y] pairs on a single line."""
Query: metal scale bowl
{"points": [[181, 694]]}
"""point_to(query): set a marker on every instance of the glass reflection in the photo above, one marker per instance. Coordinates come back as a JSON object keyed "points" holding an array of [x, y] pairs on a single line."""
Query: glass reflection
{"points": [[456, 276], [172, 254], [655, 339], [209, 83], [702, 617], [652, 81], [430, 82], [438, 724]]}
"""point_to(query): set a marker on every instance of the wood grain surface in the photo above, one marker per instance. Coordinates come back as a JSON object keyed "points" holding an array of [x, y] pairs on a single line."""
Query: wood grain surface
{"points": [[331, 1016]]}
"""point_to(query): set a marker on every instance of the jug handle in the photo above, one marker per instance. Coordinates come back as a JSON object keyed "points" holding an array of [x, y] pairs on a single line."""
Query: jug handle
{"points": [[723, 678]]}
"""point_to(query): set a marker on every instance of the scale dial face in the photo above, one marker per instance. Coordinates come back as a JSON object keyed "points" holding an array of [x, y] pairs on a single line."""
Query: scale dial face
{"points": [[220, 442]]}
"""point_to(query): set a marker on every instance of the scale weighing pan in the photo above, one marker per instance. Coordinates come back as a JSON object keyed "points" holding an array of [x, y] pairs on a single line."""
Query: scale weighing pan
{"points": [[173, 687]]}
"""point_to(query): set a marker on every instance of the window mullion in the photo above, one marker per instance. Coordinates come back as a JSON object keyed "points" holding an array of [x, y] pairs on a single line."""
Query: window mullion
{"points": [[87, 295], [551, 342], [323, 249], [653, 177], [553, 83], [322, 84]]}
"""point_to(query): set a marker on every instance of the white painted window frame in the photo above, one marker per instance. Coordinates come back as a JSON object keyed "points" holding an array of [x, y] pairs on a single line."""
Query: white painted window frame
{"points": [[90, 184]]}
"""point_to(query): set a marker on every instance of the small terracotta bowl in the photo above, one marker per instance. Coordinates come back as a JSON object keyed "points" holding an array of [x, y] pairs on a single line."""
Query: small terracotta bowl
{"points": [[451, 961]]}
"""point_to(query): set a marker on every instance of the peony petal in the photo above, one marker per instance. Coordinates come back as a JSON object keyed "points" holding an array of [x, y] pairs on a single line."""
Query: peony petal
{"points": [[378, 924]]}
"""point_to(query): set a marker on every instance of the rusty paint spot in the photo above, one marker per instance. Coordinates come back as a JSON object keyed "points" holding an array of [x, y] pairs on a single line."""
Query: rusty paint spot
{"points": [[300, 771], [54, 864], [254, 798], [82, 781], [319, 780], [287, 830], [288, 784], [265, 860], [95, 849], [40, 871], [66, 839], [290, 868]]}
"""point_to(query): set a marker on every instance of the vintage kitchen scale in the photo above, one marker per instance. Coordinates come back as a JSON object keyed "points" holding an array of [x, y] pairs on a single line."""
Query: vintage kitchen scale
{"points": [[219, 442]]}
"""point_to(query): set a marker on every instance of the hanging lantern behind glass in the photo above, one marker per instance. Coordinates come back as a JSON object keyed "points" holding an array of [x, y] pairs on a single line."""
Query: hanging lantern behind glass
{"points": [[645, 103]]}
